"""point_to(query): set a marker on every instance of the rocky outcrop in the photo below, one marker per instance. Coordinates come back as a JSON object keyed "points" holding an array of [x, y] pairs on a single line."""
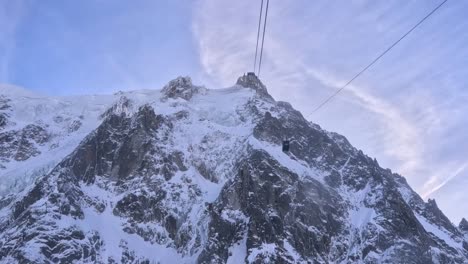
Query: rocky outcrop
{"points": [[250, 80], [124, 146], [435, 215], [3, 120], [181, 87], [22, 144], [4, 109], [463, 226]]}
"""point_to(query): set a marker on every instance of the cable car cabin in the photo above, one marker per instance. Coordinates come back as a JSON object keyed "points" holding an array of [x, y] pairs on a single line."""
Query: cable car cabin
{"points": [[285, 145], [250, 74]]}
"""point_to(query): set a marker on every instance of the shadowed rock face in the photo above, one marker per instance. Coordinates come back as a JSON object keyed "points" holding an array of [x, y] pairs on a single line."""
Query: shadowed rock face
{"points": [[4, 109], [3, 120], [141, 175], [125, 146], [463, 225], [269, 204], [22, 144], [434, 214]]}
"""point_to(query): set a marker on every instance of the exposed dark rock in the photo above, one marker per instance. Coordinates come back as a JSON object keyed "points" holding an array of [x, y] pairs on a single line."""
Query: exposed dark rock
{"points": [[141, 208], [262, 193], [434, 214], [22, 144], [463, 226], [181, 87], [74, 126], [122, 146], [3, 120], [4, 109], [4, 103], [252, 81]]}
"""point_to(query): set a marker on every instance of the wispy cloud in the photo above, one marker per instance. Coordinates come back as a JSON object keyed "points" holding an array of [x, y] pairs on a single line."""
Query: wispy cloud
{"points": [[437, 182], [400, 136]]}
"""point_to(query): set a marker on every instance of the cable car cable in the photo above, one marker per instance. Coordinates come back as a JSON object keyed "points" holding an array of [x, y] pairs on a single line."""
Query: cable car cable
{"points": [[376, 59], [263, 37], [258, 36]]}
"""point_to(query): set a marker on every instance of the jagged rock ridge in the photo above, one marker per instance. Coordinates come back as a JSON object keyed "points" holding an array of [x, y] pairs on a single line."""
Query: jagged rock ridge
{"points": [[191, 175]]}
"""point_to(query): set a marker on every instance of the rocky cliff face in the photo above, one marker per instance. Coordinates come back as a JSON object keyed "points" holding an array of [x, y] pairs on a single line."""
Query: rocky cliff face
{"points": [[190, 175]]}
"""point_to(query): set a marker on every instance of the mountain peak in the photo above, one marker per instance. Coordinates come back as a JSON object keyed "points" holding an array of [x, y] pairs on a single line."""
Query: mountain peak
{"points": [[122, 107], [180, 87], [432, 203], [250, 80]]}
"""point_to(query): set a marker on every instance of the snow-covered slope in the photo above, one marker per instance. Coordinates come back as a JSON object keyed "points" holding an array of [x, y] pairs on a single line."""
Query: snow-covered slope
{"points": [[191, 175]]}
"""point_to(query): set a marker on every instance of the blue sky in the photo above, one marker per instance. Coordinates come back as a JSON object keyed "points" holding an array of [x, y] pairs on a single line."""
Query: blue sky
{"points": [[409, 111]]}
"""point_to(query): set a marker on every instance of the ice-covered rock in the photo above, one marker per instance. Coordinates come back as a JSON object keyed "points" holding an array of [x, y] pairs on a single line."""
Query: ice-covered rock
{"points": [[250, 80], [181, 87]]}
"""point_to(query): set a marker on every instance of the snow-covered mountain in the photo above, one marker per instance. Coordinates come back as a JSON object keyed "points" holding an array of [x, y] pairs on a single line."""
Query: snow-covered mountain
{"points": [[191, 175]]}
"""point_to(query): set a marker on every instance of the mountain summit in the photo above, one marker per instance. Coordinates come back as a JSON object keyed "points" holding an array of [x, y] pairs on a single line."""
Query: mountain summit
{"points": [[192, 175]]}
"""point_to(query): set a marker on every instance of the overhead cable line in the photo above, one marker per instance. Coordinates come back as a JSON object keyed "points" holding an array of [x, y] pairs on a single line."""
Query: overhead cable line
{"points": [[376, 59], [258, 36], [263, 37]]}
